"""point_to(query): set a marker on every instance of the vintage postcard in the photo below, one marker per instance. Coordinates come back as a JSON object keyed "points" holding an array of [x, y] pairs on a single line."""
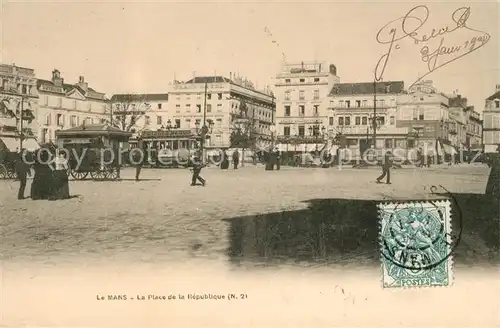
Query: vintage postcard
{"points": [[249, 164]]}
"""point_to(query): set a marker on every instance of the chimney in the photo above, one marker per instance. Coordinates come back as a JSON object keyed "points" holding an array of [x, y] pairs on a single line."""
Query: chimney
{"points": [[497, 88], [333, 70], [56, 78], [82, 84]]}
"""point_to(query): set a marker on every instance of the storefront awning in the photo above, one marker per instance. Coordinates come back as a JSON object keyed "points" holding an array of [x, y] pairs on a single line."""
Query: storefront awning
{"points": [[10, 143], [448, 149]]}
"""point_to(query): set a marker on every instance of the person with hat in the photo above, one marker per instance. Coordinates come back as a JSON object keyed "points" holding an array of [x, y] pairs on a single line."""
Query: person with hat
{"points": [[386, 168], [197, 166], [23, 170]]}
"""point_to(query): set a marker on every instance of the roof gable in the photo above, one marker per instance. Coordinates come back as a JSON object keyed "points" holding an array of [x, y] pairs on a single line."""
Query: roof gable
{"points": [[494, 96], [75, 94], [209, 79]]}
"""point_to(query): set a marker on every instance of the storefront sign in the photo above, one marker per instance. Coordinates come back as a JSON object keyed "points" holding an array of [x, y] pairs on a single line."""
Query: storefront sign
{"points": [[166, 134]]}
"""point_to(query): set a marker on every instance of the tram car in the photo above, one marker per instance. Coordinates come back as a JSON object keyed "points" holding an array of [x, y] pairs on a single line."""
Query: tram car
{"points": [[93, 150]]}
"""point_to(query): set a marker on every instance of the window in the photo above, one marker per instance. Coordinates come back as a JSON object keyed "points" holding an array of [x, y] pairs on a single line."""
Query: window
{"points": [[341, 103], [364, 120], [286, 131], [381, 103], [421, 116], [219, 107], [219, 122], [60, 119], [316, 110], [388, 143], [159, 106], [59, 102], [177, 123], [347, 120], [357, 120], [147, 120], [209, 108], [316, 79], [381, 120], [287, 110], [301, 95], [159, 120], [341, 120], [73, 121], [497, 103], [330, 121], [287, 80], [302, 110], [219, 96], [348, 103], [24, 89], [316, 94], [188, 106], [365, 103], [287, 95], [302, 80], [358, 103], [302, 130], [209, 96], [198, 108], [392, 120]]}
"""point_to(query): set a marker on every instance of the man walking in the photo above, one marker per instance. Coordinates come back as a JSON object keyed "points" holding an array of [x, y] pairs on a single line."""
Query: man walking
{"points": [[197, 166], [23, 170], [386, 168], [277, 153], [140, 158], [236, 158]]}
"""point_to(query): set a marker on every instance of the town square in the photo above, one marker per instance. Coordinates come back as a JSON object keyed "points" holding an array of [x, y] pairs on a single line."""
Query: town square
{"points": [[249, 164]]}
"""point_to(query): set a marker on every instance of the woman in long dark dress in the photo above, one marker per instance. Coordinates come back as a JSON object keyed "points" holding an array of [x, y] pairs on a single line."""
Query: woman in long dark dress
{"points": [[493, 185], [42, 185], [61, 184]]}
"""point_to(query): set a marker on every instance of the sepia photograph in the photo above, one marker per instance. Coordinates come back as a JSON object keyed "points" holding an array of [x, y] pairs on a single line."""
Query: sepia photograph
{"points": [[249, 163]]}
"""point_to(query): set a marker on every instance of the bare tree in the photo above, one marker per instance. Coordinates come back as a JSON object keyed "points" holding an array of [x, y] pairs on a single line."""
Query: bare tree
{"points": [[126, 110], [11, 107]]}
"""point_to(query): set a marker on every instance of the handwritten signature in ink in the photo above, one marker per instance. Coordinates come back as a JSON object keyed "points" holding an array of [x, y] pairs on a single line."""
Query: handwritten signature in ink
{"points": [[409, 26]]}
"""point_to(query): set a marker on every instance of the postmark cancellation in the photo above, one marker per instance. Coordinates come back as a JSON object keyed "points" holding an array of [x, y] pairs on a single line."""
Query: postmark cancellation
{"points": [[416, 243]]}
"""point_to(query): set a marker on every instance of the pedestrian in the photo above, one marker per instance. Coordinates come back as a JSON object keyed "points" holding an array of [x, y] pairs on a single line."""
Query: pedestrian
{"points": [[140, 158], [224, 165], [277, 154], [386, 168], [236, 158], [197, 166], [23, 170]]}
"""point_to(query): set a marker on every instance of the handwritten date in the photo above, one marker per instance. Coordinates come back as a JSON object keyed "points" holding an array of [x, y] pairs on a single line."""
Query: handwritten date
{"points": [[410, 27]]}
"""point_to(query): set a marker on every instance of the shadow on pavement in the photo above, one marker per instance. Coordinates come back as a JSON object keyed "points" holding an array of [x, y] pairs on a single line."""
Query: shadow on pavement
{"points": [[345, 232]]}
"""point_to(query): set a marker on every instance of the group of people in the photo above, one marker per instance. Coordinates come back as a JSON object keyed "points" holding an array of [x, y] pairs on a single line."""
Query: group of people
{"points": [[224, 164], [50, 179]]}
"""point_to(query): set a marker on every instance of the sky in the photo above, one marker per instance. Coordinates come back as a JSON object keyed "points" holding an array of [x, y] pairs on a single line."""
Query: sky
{"points": [[122, 46]]}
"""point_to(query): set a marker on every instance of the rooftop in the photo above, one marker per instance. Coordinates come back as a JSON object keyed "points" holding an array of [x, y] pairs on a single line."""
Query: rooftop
{"points": [[367, 88], [496, 95], [139, 97], [209, 79], [66, 87]]}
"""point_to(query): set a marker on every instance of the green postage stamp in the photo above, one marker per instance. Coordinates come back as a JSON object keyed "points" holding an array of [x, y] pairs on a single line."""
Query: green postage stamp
{"points": [[416, 244]]}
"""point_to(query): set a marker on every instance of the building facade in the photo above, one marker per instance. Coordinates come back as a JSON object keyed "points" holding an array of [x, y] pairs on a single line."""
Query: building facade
{"points": [[352, 109], [301, 115], [491, 122], [138, 112], [424, 112], [62, 106], [474, 136], [226, 105], [17, 90]]}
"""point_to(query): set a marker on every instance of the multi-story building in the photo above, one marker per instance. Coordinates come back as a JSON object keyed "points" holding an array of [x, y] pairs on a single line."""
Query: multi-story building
{"points": [[17, 90], [62, 106], [474, 136], [458, 113], [424, 112], [228, 104], [353, 107], [137, 112], [301, 116], [491, 122]]}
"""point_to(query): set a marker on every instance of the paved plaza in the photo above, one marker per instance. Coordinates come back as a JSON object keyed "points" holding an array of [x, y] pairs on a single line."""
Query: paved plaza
{"points": [[163, 218]]}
